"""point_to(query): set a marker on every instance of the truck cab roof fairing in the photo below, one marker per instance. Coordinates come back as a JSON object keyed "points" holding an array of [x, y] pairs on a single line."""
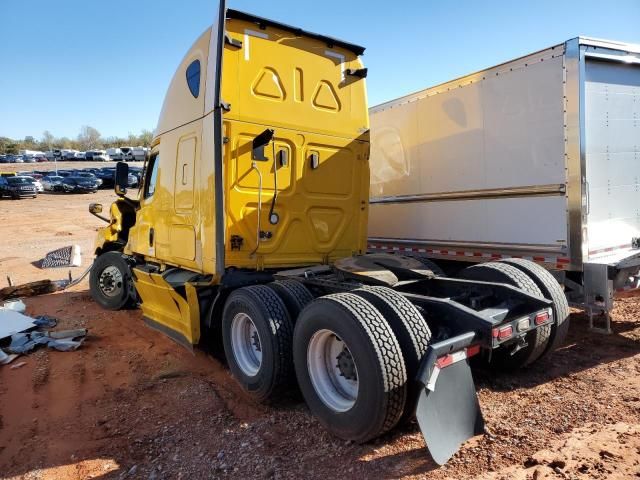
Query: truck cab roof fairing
{"points": [[264, 22]]}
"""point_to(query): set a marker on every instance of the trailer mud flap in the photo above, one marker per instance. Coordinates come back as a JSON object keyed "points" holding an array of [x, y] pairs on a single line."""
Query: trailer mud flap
{"points": [[447, 410], [166, 310]]}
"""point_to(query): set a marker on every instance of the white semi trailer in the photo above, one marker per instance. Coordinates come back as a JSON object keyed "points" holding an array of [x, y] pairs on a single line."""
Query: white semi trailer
{"points": [[536, 158]]}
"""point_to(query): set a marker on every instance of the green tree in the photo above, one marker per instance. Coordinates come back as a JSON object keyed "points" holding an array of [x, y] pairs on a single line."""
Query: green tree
{"points": [[89, 138], [47, 140], [145, 138]]}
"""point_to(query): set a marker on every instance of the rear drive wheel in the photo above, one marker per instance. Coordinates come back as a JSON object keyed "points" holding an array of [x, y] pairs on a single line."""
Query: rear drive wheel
{"points": [[111, 282], [349, 367], [409, 327], [552, 290], [538, 339], [294, 295], [257, 333]]}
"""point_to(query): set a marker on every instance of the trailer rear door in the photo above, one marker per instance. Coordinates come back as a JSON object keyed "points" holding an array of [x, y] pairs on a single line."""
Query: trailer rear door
{"points": [[612, 152]]}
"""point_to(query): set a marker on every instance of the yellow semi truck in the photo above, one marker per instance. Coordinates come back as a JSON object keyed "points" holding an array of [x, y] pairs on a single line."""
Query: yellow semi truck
{"points": [[251, 226]]}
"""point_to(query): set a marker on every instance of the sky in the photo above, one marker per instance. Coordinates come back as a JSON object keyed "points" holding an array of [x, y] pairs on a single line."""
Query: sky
{"points": [[68, 63]]}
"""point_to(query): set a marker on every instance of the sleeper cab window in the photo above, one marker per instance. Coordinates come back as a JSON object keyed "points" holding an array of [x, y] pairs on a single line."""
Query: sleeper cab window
{"points": [[193, 78]]}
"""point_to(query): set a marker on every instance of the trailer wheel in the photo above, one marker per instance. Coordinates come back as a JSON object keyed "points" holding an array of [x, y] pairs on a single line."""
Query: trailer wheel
{"points": [[550, 289], [431, 265], [349, 367], [294, 295], [111, 281], [257, 334], [409, 327], [538, 339]]}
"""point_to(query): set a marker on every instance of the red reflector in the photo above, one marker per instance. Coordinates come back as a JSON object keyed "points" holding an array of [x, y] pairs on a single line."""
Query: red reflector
{"points": [[473, 350], [541, 318], [505, 332], [444, 361]]}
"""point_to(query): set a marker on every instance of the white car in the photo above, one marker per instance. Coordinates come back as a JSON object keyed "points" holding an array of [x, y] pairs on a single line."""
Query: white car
{"points": [[36, 183], [52, 183]]}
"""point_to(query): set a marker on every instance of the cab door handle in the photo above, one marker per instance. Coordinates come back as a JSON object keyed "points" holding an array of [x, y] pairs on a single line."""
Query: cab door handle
{"points": [[151, 236]]}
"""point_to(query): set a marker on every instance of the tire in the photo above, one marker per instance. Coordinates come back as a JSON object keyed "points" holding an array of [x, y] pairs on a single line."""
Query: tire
{"points": [[294, 295], [410, 329], [111, 282], [369, 398], [538, 339], [431, 265], [552, 290], [257, 335]]}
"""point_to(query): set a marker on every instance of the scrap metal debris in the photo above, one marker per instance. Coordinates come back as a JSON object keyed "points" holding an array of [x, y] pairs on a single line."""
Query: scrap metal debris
{"points": [[26, 333], [5, 358], [31, 289], [63, 341], [62, 257], [13, 322]]}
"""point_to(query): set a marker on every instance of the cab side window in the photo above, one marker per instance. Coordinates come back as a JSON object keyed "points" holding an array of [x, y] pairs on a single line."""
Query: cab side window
{"points": [[152, 176], [193, 78]]}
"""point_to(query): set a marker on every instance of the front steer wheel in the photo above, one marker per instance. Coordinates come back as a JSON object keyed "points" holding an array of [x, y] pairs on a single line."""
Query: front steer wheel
{"points": [[111, 281]]}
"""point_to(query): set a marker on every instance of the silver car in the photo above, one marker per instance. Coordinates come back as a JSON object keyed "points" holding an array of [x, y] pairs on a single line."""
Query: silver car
{"points": [[52, 183]]}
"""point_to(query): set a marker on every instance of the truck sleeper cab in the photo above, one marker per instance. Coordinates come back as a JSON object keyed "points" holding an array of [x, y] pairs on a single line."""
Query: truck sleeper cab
{"points": [[251, 225]]}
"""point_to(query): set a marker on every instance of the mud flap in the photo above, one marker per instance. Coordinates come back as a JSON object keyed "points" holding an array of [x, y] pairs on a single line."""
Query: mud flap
{"points": [[166, 310], [447, 410]]}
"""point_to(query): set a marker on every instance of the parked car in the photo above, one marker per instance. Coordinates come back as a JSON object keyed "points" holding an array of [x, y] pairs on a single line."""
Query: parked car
{"points": [[28, 158], [17, 187], [52, 183], [107, 175], [15, 159], [41, 157], [79, 185], [36, 183], [3, 159], [83, 174]]}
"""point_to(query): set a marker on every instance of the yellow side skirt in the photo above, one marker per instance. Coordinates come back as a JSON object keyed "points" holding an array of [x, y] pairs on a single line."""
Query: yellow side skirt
{"points": [[168, 311]]}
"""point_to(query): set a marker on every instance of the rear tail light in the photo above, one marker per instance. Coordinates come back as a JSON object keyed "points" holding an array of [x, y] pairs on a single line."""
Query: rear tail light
{"points": [[541, 318], [502, 333]]}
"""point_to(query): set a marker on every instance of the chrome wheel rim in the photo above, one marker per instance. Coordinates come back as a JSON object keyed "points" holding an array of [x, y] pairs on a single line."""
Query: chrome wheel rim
{"points": [[110, 281], [332, 370], [246, 344]]}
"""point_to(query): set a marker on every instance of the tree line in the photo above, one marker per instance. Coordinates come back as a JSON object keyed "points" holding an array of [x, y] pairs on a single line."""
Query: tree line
{"points": [[88, 139]]}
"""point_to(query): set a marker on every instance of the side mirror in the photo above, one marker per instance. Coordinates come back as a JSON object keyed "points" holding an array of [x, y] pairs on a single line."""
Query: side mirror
{"points": [[95, 208], [122, 178]]}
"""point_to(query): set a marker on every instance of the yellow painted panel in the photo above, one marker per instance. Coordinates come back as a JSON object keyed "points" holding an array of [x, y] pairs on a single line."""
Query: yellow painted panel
{"points": [[169, 311], [182, 242], [184, 174], [283, 80], [321, 212]]}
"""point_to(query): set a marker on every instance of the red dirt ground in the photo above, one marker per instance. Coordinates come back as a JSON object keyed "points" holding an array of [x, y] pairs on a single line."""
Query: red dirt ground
{"points": [[130, 403]]}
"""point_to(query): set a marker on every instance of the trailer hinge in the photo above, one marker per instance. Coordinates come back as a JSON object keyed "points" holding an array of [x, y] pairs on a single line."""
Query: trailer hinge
{"points": [[232, 41], [225, 106]]}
